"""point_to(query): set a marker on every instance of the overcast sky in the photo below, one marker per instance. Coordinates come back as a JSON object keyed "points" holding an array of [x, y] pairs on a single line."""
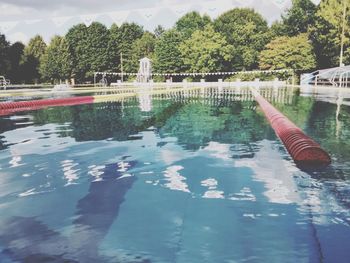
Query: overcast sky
{"points": [[22, 19]]}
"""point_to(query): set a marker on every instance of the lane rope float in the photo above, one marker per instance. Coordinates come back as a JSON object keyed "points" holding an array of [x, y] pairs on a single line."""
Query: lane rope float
{"points": [[10, 107], [304, 150]]}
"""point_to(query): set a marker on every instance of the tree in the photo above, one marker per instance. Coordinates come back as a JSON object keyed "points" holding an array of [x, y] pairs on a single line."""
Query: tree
{"points": [[206, 51], [191, 22], [15, 54], [299, 17], [36, 47], [75, 37], [327, 31], [56, 63], [4, 62], [113, 48], [89, 48], [277, 29], [97, 48], [159, 30], [143, 47], [247, 32], [167, 54], [122, 42], [30, 60], [288, 53]]}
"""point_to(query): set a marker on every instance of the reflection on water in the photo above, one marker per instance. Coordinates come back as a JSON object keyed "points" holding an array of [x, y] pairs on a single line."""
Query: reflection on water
{"points": [[185, 177]]}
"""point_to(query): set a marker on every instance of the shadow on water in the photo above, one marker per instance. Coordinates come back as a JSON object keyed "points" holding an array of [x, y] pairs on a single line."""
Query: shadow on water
{"points": [[29, 240]]}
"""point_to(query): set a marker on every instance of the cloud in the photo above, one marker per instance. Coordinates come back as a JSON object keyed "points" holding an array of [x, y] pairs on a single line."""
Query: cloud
{"points": [[56, 17], [86, 5], [6, 9]]}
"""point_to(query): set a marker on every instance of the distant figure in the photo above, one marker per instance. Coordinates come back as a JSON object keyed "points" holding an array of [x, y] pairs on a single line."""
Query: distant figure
{"points": [[104, 80], [4, 82], [145, 71]]}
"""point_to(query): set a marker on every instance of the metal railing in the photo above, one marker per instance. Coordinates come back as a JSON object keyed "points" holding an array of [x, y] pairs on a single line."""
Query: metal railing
{"points": [[336, 77]]}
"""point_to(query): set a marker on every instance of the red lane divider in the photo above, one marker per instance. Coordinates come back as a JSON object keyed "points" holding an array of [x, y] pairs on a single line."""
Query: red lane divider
{"points": [[303, 149], [11, 107]]}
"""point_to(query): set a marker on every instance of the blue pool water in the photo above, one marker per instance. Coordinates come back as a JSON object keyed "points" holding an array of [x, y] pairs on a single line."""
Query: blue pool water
{"points": [[180, 179]]}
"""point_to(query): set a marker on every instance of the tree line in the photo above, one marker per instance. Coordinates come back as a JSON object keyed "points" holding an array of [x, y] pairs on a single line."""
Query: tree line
{"points": [[305, 38]]}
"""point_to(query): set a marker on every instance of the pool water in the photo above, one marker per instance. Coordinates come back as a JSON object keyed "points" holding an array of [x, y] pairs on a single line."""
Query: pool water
{"points": [[199, 178]]}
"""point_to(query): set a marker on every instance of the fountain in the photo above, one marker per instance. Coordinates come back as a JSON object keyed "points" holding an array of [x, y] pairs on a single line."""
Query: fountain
{"points": [[145, 71]]}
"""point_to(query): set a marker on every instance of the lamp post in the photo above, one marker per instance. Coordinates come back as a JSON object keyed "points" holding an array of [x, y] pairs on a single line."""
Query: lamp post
{"points": [[121, 65], [342, 36]]}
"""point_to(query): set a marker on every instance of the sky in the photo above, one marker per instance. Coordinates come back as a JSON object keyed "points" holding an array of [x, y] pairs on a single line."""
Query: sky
{"points": [[22, 19]]}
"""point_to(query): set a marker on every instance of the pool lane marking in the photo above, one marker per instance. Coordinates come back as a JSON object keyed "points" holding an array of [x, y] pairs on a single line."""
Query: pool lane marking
{"points": [[81, 91], [7, 108], [303, 149]]}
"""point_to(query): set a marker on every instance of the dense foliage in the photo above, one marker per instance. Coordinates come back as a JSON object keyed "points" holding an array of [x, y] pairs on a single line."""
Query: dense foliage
{"points": [[89, 49], [306, 37], [191, 22], [4, 61], [288, 52], [206, 51], [299, 17], [167, 54], [31, 59], [55, 63], [327, 30], [247, 32]]}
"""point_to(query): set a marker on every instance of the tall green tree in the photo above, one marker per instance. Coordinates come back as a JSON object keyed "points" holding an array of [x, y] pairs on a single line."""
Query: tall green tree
{"points": [[143, 47], [31, 59], [15, 53], [56, 63], [288, 53], [327, 31], [206, 51], [89, 48], [113, 48], [122, 40], [299, 17], [36, 47], [4, 61], [97, 48], [167, 57], [191, 22], [76, 38], [248, 32]]}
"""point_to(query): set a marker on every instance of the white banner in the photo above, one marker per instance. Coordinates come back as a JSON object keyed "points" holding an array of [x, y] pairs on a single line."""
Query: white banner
{"points": [[7, 26], [216, 8], [88, 19], [60, 21], [148, 13], [119, 17]]}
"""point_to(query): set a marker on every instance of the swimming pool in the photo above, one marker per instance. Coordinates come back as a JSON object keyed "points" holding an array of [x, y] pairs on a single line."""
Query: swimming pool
{"points": [[183, 177]]}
